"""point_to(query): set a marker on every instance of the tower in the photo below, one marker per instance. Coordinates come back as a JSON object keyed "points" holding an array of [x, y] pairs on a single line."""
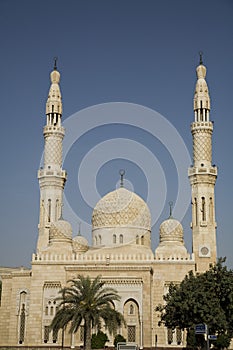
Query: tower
{"points": [[202, 177], [51, 176]]}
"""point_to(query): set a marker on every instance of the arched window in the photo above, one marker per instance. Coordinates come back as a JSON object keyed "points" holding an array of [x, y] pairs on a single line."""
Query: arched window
{"points": [[132, 318], [81, 333], [55, 336], [114, 239], [22, 325], [174, 336], [131, 309], [46, 334], [201, 112], [203, 208], [42, 212], [169, 336], [57, 209], [22, 317], [137, 239], [142, 240], [121, 239], [195, 211], [46, 311], [51, 311], [49, 210], [178, 336], [211, 210], [100, 239]]}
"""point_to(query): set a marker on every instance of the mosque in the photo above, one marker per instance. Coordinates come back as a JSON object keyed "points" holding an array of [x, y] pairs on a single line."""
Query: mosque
{"points": [[121, 244]]}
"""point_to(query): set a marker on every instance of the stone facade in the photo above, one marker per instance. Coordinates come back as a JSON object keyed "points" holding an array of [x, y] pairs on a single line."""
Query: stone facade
{"points": [[121, 245]]}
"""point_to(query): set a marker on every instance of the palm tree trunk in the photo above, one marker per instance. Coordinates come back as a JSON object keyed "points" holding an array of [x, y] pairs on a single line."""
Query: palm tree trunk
{"points": [[87, 334]]}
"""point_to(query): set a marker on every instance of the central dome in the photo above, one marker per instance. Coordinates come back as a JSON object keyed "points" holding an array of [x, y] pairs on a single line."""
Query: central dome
{"points": [[121, 208]]}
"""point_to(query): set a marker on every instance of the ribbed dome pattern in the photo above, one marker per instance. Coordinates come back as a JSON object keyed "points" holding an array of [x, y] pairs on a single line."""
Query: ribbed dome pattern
{"points": [[121, 208]]}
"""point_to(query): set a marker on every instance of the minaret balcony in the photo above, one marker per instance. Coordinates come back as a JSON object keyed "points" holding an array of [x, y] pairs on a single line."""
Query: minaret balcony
{"points": [[213, 170], [202, 125], [50, 172], [51, 129]]}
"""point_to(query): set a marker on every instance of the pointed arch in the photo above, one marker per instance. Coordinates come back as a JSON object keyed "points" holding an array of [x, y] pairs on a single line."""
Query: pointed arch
{"points": [[22, 314], [131, 315]]}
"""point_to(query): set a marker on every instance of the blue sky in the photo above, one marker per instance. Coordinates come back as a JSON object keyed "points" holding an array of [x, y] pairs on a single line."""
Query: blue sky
{"points": [[140, 53]]}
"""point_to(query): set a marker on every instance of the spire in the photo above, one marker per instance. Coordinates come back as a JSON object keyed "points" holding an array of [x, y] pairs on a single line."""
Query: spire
{"points": [[201, 102], [170, 206], [122, 173], [200, 61], [54, 101], [55, 63]]}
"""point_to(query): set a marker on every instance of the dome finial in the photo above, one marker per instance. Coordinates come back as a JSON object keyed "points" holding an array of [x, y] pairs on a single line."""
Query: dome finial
{"points": [[55, 63], [122, 173], [200, 55], [170, 206], [79, 228]]}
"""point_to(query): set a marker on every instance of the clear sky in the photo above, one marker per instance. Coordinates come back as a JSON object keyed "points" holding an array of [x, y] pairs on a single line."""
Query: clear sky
{"points": [[140, 53]]}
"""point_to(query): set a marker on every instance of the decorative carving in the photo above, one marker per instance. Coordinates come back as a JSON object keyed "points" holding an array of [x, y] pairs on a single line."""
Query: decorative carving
{"points": [[53, 150], [171, 230], [52, 285], [121, 208], [61, 229], [202, 147]]}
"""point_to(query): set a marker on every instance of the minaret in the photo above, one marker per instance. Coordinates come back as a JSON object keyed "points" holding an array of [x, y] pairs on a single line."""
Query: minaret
{"points": [[51, 177], [202, 177]]}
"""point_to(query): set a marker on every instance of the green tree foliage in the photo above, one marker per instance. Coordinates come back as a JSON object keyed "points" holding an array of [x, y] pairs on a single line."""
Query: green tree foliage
{"points": [[98, 340], [90, 302], [119, 339], [202, 298]]}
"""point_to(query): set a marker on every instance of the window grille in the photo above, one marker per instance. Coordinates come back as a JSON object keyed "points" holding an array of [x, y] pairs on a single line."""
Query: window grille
{"points": [[81, 333], [169, 336], [22, 325], [131, 334], [46, 334], [178, 336]]}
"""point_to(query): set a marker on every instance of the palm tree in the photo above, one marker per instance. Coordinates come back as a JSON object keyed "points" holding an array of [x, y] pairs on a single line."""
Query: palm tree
{"points": [[89, 302]]}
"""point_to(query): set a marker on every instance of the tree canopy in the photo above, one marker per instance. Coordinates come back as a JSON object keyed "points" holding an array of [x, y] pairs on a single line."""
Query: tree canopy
{"points": [[202, 298], [89, 302]]}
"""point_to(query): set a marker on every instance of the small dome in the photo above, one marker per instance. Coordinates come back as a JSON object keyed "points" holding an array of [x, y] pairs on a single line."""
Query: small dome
{"points": [[80, 243], [171, 230], [121, 208], [171, 245], [61, 229]]}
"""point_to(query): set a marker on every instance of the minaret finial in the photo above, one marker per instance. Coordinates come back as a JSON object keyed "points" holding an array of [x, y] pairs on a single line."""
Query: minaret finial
{"points": [[200, 55], [55, 63], [170, 206], [122, 173]]}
